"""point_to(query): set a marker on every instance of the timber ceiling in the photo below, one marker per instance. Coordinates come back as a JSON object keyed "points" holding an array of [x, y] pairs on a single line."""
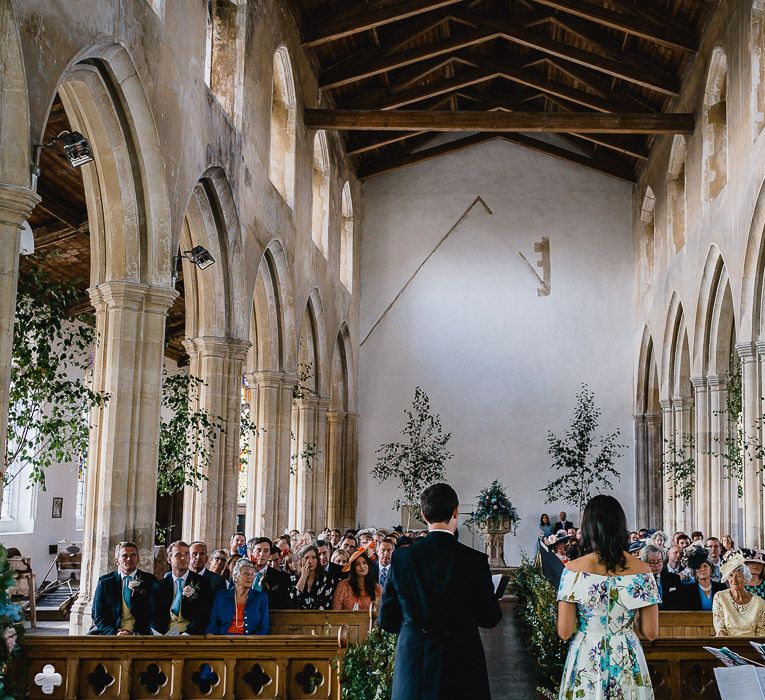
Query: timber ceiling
{"points": [[606, 70]]}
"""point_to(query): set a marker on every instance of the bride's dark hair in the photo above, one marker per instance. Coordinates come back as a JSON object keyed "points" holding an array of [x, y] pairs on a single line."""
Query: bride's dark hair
{"points": [[604, 530]]}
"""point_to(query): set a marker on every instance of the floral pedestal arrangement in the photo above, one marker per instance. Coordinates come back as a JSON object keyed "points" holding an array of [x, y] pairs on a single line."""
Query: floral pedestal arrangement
{"points": [[495, 517]]}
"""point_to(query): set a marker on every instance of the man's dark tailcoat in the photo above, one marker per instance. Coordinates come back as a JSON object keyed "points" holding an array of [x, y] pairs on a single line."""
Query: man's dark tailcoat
{"points": [[195, 608], [438, 593], [107, 603]]}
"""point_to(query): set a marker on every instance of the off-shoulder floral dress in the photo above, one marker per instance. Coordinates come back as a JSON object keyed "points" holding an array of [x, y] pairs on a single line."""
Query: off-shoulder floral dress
{"points": [[605, 659]]}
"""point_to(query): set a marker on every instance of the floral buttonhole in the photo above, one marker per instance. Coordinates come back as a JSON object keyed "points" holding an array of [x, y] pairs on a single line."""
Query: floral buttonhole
{"points": [[189, 591], [132, 585]]}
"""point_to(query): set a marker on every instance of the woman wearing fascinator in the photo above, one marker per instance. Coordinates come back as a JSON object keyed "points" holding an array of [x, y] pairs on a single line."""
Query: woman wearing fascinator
{"points": [[736, 612], [701, 593]]}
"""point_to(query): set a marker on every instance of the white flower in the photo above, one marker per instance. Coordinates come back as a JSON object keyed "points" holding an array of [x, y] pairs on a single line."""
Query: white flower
{"points": [[133, 584], [189, 591]]}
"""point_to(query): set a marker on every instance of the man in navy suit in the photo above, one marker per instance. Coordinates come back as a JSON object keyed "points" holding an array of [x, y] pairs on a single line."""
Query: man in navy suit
{"points": [[122, 602], [198, 564], [181, 602], [437, 594]]}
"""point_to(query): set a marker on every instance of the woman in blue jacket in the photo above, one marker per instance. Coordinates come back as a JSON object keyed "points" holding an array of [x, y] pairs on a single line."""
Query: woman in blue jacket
{"points": [[241, 609]]}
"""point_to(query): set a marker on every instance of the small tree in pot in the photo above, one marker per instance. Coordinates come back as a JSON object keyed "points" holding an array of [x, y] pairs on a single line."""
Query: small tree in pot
{"points": [[419, 461]]}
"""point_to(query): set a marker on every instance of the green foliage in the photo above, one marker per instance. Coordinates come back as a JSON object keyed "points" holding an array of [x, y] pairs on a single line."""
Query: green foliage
{"points": [[12, 660], [187, 438], [493, 504], [301, 389], [680, 467], [48, 402], [248, 431], [419, 461], [537, 611], [586, 463], [309, 452], [735, 444], [366, 671]]}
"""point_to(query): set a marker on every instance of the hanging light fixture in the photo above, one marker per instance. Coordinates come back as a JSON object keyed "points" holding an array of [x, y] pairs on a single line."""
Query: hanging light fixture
{"points": [[199, 255], [76, 147]]}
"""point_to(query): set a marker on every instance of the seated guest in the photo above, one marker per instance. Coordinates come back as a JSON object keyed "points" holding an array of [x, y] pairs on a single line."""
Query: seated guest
{"points": [[545, 526], [325, 560], [294, 537], [380, 535], [659, 538], [366, 537], [728, 545], [634, 537], [237, 545], [563, 523], [314, 587], [274, 583], [701, 595], [385, 549], [349, 544], [218, 561], [736, 612], [122, 602], [340, 557], [635, 548], [181, 601], [241, 609], [671, 589], [697, 536], [715, 556], [197, 563], [674, 560], [275, 560], [642, 533], [683, 541], [230, 564], [360, 589], [755, 559], [334, 537]]}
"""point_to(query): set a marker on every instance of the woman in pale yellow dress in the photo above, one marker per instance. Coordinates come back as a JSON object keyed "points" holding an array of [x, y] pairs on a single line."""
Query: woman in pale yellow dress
{"points": [[736, 612]]}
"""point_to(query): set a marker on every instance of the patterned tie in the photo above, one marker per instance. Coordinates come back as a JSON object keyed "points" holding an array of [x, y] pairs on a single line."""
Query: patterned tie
{"points": [[383, 577], [256, 582], [126, 590], [175, 608]]}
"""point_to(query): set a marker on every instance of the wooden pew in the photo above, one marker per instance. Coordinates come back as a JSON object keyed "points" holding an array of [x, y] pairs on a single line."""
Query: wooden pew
{"points": [[287, 667], [685, 624], [681, 670], [323, 623]]}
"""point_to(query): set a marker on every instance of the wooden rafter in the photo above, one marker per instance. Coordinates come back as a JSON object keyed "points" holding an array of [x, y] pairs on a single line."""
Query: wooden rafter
{"points": [[347, 23], [632, 24], [579, 122]]}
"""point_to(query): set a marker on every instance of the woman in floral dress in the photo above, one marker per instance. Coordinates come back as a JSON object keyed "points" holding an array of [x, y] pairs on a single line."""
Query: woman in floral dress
{"points": [[312, 588], [602, 596]]}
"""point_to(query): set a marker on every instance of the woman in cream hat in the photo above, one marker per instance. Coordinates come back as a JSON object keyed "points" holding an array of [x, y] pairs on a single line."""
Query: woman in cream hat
{"points": [[755, 560], [736, 612]]}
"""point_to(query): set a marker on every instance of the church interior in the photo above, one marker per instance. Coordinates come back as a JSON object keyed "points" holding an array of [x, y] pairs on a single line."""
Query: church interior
{"points": [[313, 208]]}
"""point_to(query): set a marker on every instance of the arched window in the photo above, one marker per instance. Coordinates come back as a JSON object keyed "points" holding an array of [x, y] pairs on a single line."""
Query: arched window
{"points": [[715, 127], [346, 239], [320, 190], [224, 54], [281, 166], [647, 217], [676, 196], [758, 66]]}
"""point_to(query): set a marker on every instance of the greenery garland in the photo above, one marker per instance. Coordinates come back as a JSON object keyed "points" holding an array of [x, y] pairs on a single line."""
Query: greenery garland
{"points": [[493, 505], [13, 671], [537, 611], [366, 670]]}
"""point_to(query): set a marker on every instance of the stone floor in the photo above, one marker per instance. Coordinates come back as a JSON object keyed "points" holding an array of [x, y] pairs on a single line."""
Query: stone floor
{"points": [[511, 674]]}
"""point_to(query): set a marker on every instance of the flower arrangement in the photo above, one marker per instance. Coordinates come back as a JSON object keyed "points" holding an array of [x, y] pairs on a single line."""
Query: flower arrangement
{"points": [[493, 505]]}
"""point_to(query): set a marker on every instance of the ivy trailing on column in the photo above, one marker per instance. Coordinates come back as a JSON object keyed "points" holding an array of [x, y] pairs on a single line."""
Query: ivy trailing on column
{"points": [[309, 453], [679, 466]]}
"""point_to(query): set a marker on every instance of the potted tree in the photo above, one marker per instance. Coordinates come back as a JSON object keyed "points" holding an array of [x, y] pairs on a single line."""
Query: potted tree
{"points": [[495, 516]]}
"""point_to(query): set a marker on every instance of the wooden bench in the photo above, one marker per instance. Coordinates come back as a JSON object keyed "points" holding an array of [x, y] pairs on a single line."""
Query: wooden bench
{"points": [[324, 623], [685, 624], [681, 670], [287, 667]]}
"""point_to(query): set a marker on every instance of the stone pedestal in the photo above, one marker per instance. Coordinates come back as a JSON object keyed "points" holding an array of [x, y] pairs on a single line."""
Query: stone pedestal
{"points": [[494, 540]]}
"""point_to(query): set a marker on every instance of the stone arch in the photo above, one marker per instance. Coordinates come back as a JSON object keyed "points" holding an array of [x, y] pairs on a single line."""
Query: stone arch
{"points": [[347, 238], [126, 192], [340, 389], [648, 238], [311, 347], [715, 319], [15, 146], [676, 204], [281, 168], [320, 179], [676, 362], [715, 127], [752, 306]]}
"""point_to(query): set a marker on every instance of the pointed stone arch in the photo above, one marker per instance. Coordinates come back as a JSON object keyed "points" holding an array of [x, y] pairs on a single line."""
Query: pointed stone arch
{"points": [[676, 196], [281, 168], [715, 127], [347, 238], [320, 179]]}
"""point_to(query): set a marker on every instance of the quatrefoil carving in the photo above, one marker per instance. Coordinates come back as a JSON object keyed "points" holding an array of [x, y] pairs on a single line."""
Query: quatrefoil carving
{"points": [[257, 678], [152, 678], [100, 679], [48, 679], [309, 679], [205, 679]]}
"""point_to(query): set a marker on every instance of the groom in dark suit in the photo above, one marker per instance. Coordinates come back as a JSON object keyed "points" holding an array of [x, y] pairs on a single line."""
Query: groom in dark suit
{"points": [[122, 602], [438, 593], [182, 601]]}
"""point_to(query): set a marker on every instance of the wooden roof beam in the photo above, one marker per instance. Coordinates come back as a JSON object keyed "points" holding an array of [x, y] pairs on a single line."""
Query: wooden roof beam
{"points": [[352, 74], [617, 69], [575, 122], [634, 25], [345, 24]]}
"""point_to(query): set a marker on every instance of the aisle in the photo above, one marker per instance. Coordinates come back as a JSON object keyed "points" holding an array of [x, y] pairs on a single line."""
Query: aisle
{"points": [[510, 670]]}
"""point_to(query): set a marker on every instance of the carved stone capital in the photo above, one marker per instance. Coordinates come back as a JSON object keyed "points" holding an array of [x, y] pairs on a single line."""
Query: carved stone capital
{"points": [[699, 384], [666, 405], [210, 346], [746, 351], [133, 296], [682, 403], [266, 379], [335, 417], [717, 382], [16, 204]]}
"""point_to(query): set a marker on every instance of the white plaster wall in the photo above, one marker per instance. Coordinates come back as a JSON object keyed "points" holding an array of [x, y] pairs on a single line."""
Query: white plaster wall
{"points": [[501, 364]]}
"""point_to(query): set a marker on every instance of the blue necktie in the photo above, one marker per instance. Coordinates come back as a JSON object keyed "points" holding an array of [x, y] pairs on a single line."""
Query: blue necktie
{"points": [[126, 590], [256, 582], [383, 577], [175, 608]]}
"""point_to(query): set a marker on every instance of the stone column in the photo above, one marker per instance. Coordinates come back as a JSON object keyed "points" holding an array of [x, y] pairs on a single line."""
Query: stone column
{"points": [[641, 471], [268, 476], [720, 516], [350, 462], [16, 204], [682, 407], [124, 439], [669, 522], [305, 434], [209, 511], [702, 494], [318, 479], [751, 416], [335, 467], [655, 475]]}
